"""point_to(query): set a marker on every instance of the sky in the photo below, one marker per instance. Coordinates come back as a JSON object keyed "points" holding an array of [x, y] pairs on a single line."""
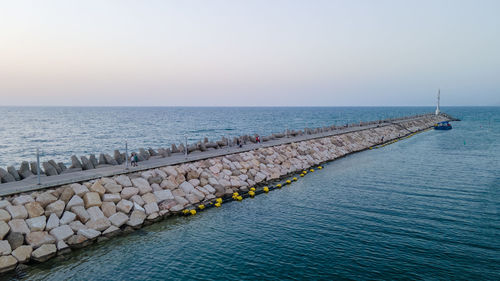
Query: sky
{"points": [[249, 53]]}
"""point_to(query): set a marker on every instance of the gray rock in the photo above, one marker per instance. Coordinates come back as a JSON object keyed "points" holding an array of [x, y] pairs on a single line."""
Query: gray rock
{"points": [[152, 152], [33, 167], [14, 173], [45, 252], [24, 170], [54, 164], [93, 160], [75, 163], [15, 239], [110, 160], [145, 155], [62, 166], [118, 157], [102, 159], [174, 148], [49, 170], [86, 164], [6, 176]]}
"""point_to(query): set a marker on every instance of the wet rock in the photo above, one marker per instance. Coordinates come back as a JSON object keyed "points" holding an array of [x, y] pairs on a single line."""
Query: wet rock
{"points": [[62, 248], [22, 253], [15, 239], [5, 248], [118, 219], [78, 241], [89, 233], [136, 218], [111, 231], [100, 224], [44, 252], [7, 263]]}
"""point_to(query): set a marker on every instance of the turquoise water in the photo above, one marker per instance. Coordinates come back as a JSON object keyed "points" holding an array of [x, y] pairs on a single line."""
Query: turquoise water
{"points": [[426, 208]]}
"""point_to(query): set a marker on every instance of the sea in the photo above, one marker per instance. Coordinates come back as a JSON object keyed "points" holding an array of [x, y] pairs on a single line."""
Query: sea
{"points": [[424, 208]]}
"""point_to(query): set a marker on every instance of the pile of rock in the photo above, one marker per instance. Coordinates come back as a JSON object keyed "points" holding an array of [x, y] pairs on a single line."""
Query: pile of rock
{"points": [[38, 225], [51, 168]]}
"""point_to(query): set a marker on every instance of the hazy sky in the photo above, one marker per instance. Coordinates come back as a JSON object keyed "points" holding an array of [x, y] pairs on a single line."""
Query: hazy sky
{"points": [[270, 52]]}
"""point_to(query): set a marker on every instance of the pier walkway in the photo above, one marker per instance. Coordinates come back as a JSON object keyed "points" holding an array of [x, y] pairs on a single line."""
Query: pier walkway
{"points": [[31, 184]]}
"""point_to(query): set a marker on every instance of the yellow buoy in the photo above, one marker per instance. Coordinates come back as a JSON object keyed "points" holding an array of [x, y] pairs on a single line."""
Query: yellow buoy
{"points": [[319, 167], [301, 175], [294, 179], [218, 200], [251, 193], [252, 188], [288, 181], [266, 189], [235, 194], [304, 172], [185, 212], [239, 198], [193, 212], [278, 185], [201, 206], [312, 170], [217, 204]]}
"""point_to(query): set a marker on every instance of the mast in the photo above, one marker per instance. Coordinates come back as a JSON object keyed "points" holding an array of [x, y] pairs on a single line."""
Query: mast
{"points": [[438, 98]]}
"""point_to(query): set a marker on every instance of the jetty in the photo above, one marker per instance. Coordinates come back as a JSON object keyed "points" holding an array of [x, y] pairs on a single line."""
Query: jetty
{"points": [[41, 217]]}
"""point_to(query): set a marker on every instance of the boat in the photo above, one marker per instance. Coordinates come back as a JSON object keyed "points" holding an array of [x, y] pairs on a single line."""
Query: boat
{"points": [[445, 125]]}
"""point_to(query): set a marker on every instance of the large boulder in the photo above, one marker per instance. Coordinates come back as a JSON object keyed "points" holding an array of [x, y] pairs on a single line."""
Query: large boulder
{"points": [[39, 238], [93, 160], [6, 176], [118, 219], [34, 168], [110, 160], [4, 215], [17, 212], [34, 209], [108, 208], [92, 199], [75, 163], [19, 225], [123, 180], [14, 173], [62, 232], [22, 199], [54, 164], [23, 253], [36, 224], [4, 229], [44, 252], [5, 248], [49, 170], [86, 164], [142, 185], [24, 170], [7, 263], [15, 239], [55, 208], [45, 199]]}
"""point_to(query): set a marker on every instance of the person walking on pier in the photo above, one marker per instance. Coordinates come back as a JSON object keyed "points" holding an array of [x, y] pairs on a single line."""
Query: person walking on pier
{"points": [[134, 159]]}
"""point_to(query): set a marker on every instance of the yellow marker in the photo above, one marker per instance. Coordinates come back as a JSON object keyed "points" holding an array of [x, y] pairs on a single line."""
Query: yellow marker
{"points": [[235, 194], [193, 212], [185, 212], [218, 200], [301, 175], [294, 179], [312, 170], [278, 185], [239, 198], [217, 204], [319, 167], [251, 193], [266, 189], [288, 181], [304, 172], [201, 206], [252, 188]]}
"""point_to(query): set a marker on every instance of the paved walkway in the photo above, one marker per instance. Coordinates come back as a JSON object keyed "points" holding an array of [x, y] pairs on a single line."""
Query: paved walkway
{"points": [[30, 184]]}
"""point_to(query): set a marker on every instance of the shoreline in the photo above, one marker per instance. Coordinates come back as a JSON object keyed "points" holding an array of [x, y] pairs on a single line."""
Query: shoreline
{"points": [[39, 225]]}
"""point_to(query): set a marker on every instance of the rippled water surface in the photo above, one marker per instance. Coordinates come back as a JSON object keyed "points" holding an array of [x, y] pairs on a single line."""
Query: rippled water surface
{"points": [[426, 208]]}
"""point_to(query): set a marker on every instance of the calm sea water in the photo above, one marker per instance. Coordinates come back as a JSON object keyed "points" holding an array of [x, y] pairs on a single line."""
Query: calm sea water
{"points": [[426, 208]]}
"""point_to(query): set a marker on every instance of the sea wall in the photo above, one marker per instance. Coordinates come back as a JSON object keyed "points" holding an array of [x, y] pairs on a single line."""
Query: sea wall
{"points": [[39, 225]]}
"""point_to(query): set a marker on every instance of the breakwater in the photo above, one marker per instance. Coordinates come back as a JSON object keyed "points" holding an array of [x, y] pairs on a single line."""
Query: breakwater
{"points": [[43, 223]]}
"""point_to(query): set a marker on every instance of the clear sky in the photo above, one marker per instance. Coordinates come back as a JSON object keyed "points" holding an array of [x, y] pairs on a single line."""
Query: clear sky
{"points": [[246, 53]]}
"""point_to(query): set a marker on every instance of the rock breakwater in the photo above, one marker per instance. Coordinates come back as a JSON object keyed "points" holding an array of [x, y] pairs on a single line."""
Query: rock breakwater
{"points": [[39, 225]]}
